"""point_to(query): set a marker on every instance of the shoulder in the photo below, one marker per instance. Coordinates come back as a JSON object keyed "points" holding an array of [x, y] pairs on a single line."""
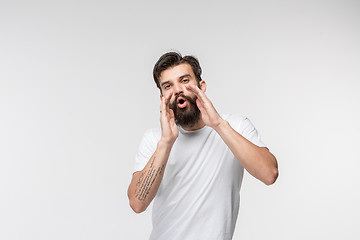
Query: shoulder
{"points": [[149, 140], [237, 121], [234, 118], [152, 134]]}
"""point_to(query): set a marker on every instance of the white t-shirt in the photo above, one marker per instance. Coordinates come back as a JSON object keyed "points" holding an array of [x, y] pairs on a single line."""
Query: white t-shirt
{"points": [[199, 195]]}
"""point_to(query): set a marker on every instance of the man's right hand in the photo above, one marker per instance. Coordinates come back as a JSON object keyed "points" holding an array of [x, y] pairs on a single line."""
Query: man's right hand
{"points": [[145, 183], [169, 129]]}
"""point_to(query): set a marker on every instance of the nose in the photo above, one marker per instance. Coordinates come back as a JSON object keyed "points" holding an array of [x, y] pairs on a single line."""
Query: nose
{"points": [[178, 89]]}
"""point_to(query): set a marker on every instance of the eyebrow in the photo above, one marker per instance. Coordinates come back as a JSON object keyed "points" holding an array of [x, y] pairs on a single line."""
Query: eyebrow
{"points": [[184, 76], [162, 84], [181, 77]]}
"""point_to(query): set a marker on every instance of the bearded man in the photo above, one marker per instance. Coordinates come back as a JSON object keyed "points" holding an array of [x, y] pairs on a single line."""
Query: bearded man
{"points": [[193, 165]]}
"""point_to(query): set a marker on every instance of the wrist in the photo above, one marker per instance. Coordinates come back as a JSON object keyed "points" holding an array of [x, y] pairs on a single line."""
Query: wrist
{"points": [[221, 126], [165, 143]]}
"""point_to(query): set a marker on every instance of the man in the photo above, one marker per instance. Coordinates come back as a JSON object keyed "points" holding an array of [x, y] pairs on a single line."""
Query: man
{"points": [[194, 164]]}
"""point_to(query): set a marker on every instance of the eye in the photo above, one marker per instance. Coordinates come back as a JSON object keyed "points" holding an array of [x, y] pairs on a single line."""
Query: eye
{"points": [[185, 80], [166, 86]]}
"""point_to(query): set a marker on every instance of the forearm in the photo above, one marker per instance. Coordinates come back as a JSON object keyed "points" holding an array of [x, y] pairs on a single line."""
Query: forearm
{"points": [[144, 187], [258, 161]]}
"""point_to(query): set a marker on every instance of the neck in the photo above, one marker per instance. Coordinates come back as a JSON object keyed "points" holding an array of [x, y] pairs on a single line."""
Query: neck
{"points": [[198, 125]]}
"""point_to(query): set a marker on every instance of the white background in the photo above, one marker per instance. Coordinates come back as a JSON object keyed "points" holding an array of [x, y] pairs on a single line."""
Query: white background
{"points": [[76, 95]]}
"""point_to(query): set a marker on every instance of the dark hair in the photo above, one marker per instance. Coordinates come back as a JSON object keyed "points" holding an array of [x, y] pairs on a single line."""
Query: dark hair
{"points": [[172, 59]]}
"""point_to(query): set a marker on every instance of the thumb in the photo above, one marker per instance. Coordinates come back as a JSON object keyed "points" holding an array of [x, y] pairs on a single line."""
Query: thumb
{"points": [[172, 115], [200, 106]]}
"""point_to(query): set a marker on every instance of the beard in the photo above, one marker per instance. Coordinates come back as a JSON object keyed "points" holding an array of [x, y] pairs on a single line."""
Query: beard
{"points": [[188, 116]]}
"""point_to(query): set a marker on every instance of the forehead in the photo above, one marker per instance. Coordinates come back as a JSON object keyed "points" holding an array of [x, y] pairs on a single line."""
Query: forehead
{"points": [[173, 73]]}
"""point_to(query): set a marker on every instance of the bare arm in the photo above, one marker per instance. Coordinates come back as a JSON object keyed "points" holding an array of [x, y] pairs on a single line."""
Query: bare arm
{"points": [[258, 161], [145, 184]]}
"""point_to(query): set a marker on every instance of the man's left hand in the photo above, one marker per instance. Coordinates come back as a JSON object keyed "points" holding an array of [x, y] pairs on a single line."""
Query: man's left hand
{"points": [[208, 112]]}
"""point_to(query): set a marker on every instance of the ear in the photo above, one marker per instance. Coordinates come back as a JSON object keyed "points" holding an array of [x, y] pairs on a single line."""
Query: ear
{"points": [[203, 85]]}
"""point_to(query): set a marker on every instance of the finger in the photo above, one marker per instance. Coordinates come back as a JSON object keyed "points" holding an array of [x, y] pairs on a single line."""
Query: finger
{"points": [[172, 120], [168, 95], [172, 116], [200, 106], [192, 88], [200, 94], [167, 98], [162, 106]]}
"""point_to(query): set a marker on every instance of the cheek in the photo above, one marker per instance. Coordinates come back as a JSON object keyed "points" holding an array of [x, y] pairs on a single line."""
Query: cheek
{"points": [[172, 99], [190, 94]]}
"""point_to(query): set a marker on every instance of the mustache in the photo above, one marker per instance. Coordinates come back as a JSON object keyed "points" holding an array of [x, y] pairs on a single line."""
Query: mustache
{"points": [[187, 98], [188, 116]]}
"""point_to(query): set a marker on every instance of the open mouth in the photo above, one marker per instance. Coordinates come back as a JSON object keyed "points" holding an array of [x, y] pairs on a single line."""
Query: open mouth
{"points": [[181, 102]]}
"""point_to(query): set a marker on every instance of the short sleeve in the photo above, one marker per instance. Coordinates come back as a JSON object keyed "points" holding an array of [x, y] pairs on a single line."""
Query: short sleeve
{"points": [[244, 126], [147, 148], [248, 131]]}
